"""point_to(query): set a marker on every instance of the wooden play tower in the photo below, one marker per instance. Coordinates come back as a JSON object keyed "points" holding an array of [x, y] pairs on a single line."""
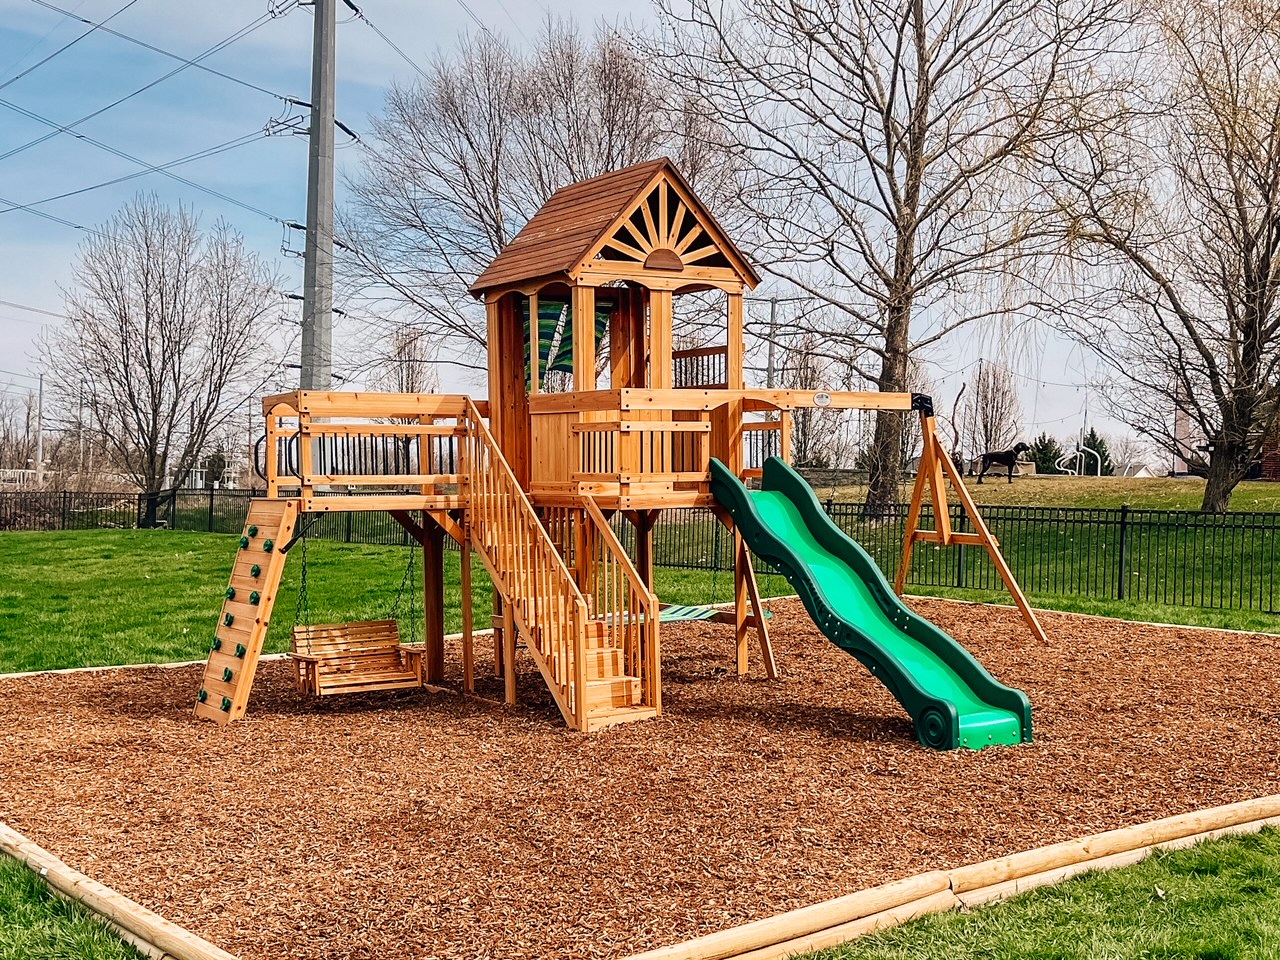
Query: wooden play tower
{"points": [[594, 411]]}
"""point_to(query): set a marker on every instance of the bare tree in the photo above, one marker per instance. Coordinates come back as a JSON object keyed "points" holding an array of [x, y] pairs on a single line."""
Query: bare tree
{"points": [[461, 160], [819, 438], [406, 362], [165, 338], [1177, 214], [991, 416], [896, 148], [1127, 452]]}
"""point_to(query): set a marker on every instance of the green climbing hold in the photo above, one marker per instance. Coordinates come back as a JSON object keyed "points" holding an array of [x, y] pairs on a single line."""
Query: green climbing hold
{"points": [[226, 704], [227, 674], [229, 619], [231, 593], [254, 597], [255, 570], [244, 542], [217, 643], [203, 696], [240, 650], [268, 545], [253, 531]]}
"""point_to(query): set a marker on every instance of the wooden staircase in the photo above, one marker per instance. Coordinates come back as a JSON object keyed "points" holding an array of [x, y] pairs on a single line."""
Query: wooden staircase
{"points": [[246, 610], [587, 645]]}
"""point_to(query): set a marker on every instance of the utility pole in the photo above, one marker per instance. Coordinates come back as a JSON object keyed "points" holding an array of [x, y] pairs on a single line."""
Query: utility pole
{"points": [[40, 434], [773, 335], [317, 277]]}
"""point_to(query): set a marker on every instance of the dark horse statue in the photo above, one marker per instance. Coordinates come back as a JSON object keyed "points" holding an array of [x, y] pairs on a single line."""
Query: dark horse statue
{"points": [[1001, 458]]}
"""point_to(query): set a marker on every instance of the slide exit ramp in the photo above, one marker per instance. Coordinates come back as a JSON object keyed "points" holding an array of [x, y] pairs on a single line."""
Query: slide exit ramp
{"points": [[953, 701]]}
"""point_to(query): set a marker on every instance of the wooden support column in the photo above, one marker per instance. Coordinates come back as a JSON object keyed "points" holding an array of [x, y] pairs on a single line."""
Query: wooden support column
{"points": [[621, 358], [509, 656], [468, 621], [433, 601], [637, 322], [495, 365], [535, 344], [741, 600], [736, 345], [499, 622], [660, 321], [584, 338]]}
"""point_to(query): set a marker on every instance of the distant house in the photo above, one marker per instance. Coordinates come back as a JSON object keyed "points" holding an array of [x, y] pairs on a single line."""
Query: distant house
{"points": [[1271, 458]]}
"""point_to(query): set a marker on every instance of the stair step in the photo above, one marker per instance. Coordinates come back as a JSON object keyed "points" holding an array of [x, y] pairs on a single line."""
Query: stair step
{"points": [[615, 692], [610, 716], [605, 664]]}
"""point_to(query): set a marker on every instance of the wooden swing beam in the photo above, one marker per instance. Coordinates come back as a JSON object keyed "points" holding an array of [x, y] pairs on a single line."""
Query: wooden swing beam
{"points": [[935, 469]]}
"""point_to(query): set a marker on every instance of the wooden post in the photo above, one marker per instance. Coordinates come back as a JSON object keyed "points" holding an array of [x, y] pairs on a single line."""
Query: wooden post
{"points": [[660, 320], [638, 308], [741, 600], [584, 338], [762, 624], [499, 622], [535, 344], [468, 621], [509, 655], [735, 345], [433, 600]]}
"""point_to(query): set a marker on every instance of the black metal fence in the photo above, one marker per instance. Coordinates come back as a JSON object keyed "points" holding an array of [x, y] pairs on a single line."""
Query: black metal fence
{"points": [[1178, 558]]}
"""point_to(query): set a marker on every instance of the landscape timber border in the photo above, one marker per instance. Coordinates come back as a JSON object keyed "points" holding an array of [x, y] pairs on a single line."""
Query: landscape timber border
{"points": [[146, 931], [937, 891], [808, 928]]}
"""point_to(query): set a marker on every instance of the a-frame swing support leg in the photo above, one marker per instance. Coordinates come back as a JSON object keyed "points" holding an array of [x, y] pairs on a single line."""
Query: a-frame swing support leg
{"points": [[936, 468], [748, 607]]}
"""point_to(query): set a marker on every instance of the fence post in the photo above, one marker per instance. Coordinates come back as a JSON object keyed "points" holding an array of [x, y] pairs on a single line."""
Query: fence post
{"points": [[210, 510], [348, 527], [959, 523], [1121, 559], [65, 496]]}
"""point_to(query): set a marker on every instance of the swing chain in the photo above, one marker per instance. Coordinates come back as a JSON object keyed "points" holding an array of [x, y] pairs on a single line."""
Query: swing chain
{"points": [[406, 583], [302, 609]]}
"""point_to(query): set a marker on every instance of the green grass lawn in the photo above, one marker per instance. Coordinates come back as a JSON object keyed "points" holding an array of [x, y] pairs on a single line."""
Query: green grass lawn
{"points": [[37, 925], [100, 597], [1215, 901], [1154, 493]]}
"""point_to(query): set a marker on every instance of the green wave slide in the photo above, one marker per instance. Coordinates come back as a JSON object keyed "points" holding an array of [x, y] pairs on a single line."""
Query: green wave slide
{"points": [[953, 701]]}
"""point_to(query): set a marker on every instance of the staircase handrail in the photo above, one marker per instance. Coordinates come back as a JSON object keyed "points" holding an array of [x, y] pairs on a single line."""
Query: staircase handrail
{"points": [[562, 663]]}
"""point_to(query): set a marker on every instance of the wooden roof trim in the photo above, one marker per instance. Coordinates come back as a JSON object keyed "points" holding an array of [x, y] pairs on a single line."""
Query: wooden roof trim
{"points": [[709, 223]]}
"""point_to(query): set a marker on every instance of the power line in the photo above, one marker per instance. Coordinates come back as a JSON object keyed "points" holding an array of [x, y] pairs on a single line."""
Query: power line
{"points": [[55, 219], [67, 128], [132, 159], [23, 306], [66, 46], [154, 168], [391, 43], [173, 56]]}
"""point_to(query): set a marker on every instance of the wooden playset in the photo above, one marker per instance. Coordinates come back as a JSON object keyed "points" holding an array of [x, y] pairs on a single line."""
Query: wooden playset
{"points": [[592, 412]]}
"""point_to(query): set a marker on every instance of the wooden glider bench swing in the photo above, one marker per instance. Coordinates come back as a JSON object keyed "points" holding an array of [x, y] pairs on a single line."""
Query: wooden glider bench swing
{"points": [[360, 656]]}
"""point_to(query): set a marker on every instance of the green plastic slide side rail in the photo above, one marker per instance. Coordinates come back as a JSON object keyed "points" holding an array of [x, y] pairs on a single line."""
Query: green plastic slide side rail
{"points": [[938, 722]]}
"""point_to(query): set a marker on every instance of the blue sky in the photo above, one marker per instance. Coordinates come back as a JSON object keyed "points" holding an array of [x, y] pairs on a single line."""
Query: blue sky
{"points": [[193, 111]]}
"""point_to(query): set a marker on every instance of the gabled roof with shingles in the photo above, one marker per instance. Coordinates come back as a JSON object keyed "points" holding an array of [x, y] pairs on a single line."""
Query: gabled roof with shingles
{"points": [[576, 219]]}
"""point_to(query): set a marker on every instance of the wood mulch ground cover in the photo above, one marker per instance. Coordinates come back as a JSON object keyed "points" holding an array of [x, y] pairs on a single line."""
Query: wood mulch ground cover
{"points": [[431, 825]]}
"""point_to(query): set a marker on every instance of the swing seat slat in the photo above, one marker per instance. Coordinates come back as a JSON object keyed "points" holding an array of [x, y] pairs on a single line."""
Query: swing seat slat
{"points": [[334, 658]]}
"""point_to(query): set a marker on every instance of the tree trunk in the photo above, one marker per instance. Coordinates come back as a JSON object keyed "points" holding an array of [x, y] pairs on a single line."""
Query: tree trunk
{"points": [[885, 469], [1228, 465]]}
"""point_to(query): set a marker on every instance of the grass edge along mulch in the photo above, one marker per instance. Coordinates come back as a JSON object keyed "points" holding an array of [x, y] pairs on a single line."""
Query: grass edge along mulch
{"points": [[1215, 898], [74, 915], [839, 921]]}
